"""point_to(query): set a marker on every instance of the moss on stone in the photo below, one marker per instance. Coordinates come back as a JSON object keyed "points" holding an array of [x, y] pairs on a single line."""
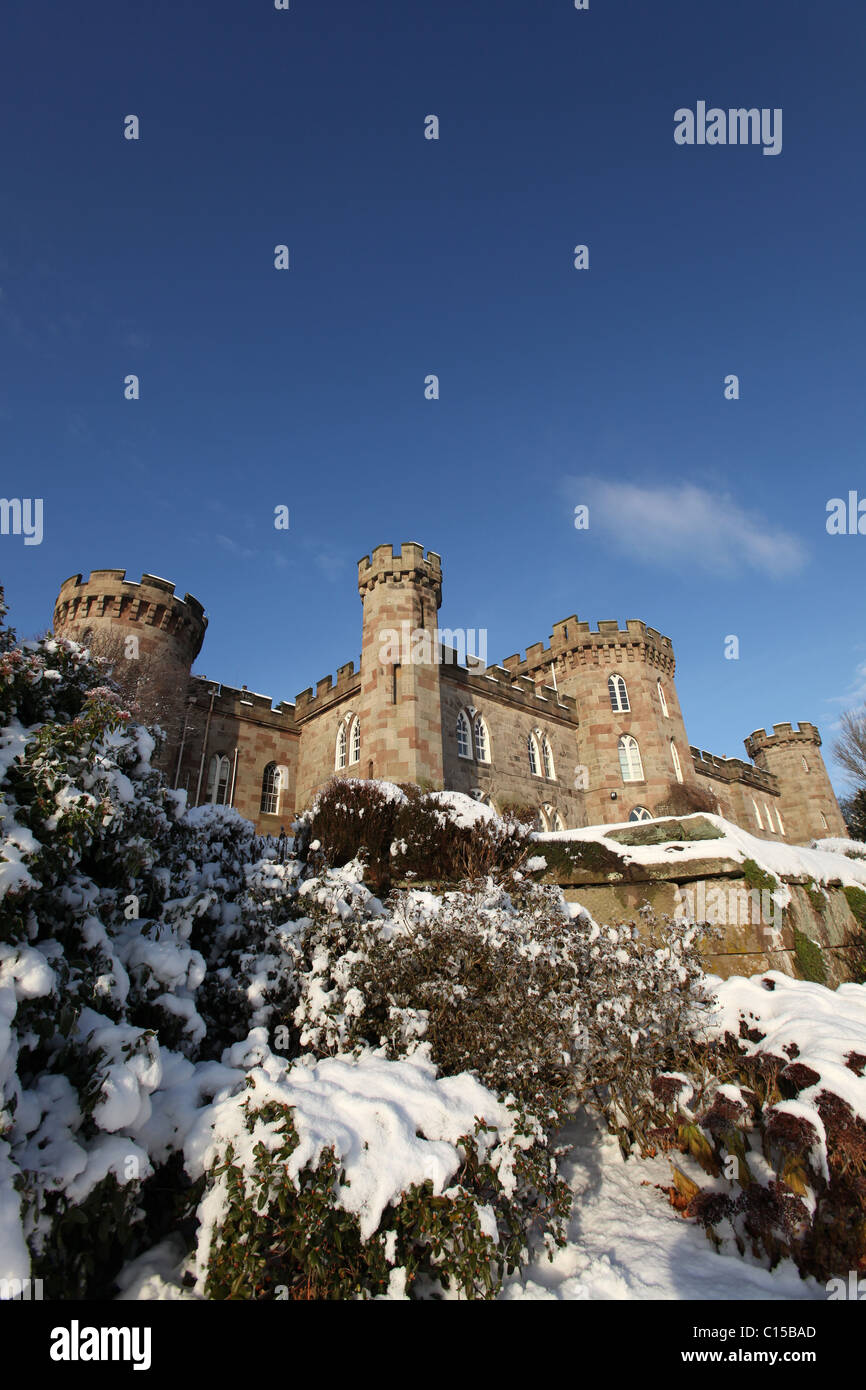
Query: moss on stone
{"points": [[756, 877], [660, 832], [810, 959], [857, 903]]}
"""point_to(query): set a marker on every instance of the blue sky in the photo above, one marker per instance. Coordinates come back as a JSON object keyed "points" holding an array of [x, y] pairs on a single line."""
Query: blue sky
{"points": [[455, 257]]}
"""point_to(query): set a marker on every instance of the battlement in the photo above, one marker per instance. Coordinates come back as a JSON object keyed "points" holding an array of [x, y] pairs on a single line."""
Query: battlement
{"points": [[108, 595], [782, 734], [241, 704], [572, 636], [522, 690], [734, 770], [406, 566], [328, 691]]}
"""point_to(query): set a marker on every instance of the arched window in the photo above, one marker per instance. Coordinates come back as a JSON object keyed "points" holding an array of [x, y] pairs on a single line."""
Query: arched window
{"points": [[824, 820], [534, 756], [675, 759], [779, 819], [547, 755], [482, 740], [805, 764], [757, 814], [629, 759], [639, 813], [342, 754], [769, 814], [464, 744], [271, 782], [556, 821], [541, 819], [355, 741], [618, 695], [218, 780], [662, 701]]}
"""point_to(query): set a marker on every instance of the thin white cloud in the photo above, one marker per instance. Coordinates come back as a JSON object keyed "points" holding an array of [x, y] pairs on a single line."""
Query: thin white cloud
{"points": [[242, 551], [686, 527], [855, 694]]}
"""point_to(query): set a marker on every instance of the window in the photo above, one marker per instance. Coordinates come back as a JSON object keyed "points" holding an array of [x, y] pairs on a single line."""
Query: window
{"points": [[482, 740], [218, 780], [618, 695], [463, 742], [757, 814], [769, 814], [541, 819], [355, 741], [534, 759], [675, 759], [824, 821], [639, 813], [556, 822], [271, 782], [663, 702], [342, 748], [805, 764], [779, 819], [629, 759], [547, 755]]}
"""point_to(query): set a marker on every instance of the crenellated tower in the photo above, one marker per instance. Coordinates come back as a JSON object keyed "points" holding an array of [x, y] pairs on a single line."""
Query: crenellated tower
{"points": [[642, 705], [400, 701], [808, 802], [147, 635], [108, 608]]}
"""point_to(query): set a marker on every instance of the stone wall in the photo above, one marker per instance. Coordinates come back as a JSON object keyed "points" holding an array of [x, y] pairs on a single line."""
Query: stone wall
{"points": [[511, 716], [244, 728]]}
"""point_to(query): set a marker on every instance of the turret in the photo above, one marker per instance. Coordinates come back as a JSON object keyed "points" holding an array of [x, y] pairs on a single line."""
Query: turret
{"points": [[808, 802], [107, 608], [399, 704]]}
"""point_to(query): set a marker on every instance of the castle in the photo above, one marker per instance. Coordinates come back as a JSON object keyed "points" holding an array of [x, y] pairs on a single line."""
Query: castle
{"points": [[585, 731]]}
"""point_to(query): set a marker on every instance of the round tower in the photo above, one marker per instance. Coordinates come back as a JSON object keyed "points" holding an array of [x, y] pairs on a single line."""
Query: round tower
{"points": [[147, 637], [108, 609], [633, 749], [808, 802], [401, 592]]}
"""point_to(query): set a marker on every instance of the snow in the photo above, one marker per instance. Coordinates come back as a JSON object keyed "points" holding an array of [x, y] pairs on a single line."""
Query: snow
{"points": [[463, 810], [390, 1123], [626, 1242], [825, 1025], [783, 861]]}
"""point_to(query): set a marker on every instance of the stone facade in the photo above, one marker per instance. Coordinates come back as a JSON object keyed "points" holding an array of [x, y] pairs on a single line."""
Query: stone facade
{"points": [[586, 730]]}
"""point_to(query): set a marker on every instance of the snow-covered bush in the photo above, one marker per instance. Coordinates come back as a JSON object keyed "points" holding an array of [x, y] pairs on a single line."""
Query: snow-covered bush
{"points": [[367, 1177], [502, 979], [407, 833], [485, 986], [770, 1120], [146, 952]]}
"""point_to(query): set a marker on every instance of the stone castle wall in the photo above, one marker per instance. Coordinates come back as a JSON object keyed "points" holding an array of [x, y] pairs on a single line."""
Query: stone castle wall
{"points": [[408, 711], [512, 710]]}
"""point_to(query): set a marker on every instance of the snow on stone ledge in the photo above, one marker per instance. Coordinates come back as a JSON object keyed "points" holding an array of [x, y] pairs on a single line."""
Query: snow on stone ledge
{"points": [[783, 861]]}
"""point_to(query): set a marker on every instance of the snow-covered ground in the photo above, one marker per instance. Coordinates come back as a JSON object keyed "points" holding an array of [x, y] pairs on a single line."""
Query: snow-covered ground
{"points": [[626, 1242]]}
